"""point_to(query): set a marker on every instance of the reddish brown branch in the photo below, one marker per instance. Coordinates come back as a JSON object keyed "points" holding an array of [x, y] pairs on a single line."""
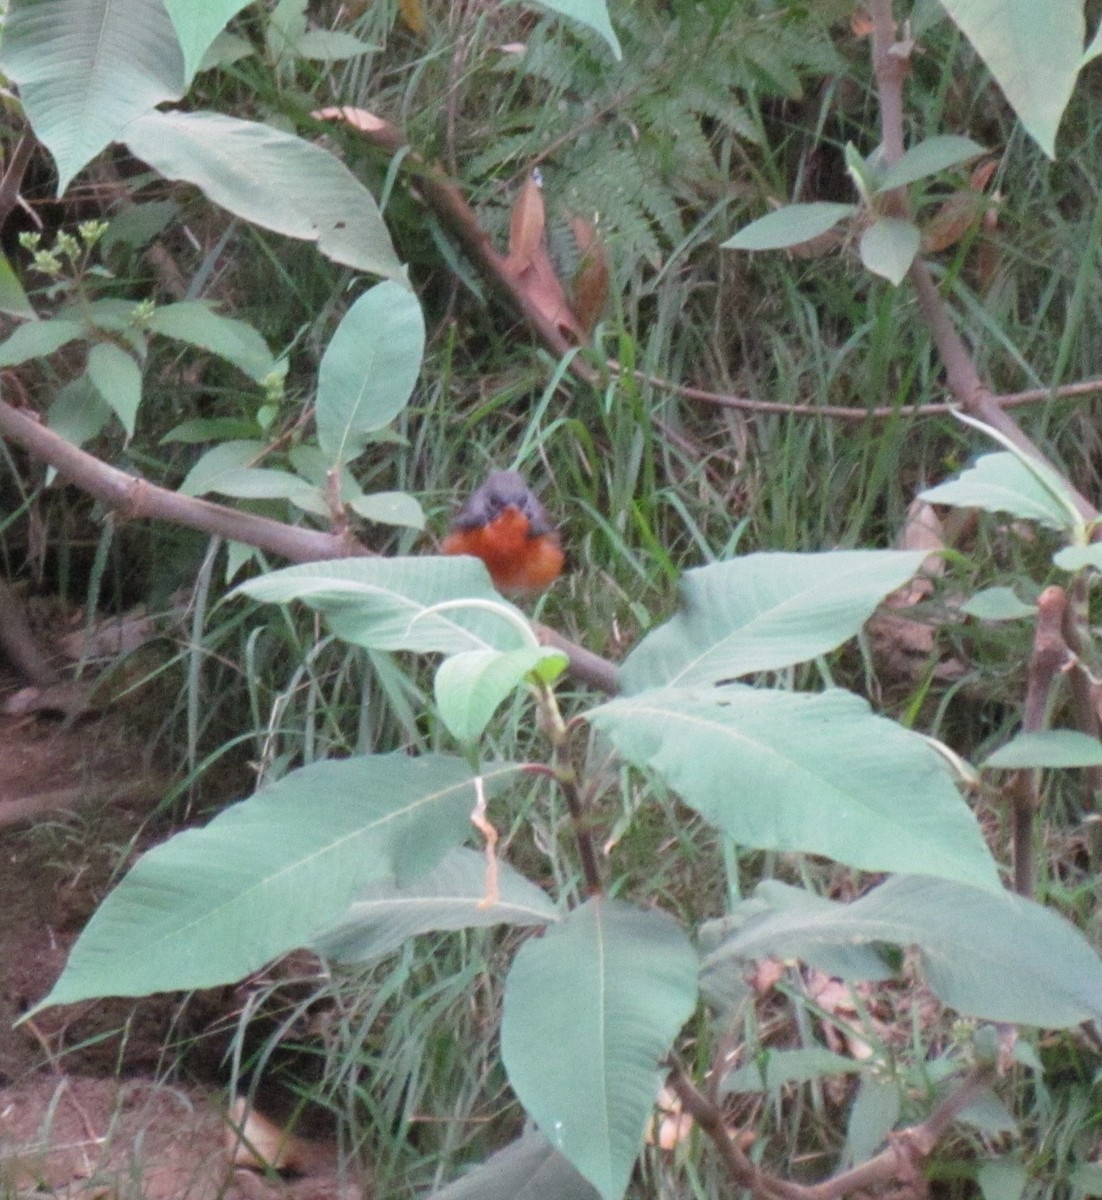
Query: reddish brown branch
{"points": [[1050, 654], [898, 1163]]}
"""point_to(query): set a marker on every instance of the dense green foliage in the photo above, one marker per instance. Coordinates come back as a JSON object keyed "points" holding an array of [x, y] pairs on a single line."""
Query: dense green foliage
{"points": [[764, 751]]}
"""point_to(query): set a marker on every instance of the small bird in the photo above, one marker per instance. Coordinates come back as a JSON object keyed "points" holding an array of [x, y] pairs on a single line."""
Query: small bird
{"points": [[506, 526]]}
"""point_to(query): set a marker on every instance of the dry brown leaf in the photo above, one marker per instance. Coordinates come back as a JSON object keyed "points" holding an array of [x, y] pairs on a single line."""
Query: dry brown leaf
{"points": [[669, 1126], [591, 279], [412, 13], [357, 118], [257, 1144], [526, 226], [961, 211]]}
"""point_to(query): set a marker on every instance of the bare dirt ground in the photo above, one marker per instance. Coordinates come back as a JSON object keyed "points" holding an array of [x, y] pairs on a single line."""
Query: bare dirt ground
{"points": [[88, 1105]]}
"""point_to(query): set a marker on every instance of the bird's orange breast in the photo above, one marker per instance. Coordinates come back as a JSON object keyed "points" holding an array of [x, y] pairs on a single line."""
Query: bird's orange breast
{"points": [[516, 562]]}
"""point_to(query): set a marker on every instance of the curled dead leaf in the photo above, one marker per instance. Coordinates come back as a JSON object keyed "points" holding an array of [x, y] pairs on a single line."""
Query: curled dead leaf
{"points": [[590, 290], [527, 225], [357, 118], [257, 1144]]}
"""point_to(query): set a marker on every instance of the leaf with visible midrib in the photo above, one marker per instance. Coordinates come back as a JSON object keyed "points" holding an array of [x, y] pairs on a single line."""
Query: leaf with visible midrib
{"points": [[994, 957], [762, 612], [212, 904], [820, 774], [590, 1008]]}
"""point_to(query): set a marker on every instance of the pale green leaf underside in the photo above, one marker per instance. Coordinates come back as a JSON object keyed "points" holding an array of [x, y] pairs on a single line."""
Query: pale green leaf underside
{"points": [[212, 904], [86, 68], [118, 379], [997, 604], [471, 685], [383, 603], [888, 247], [590, 1009], [451, 896], [220, 463], [197, 324], [1047, 748], [273, 179], [929, 157], [820, 774], [1033, 50], [593, 13], [368, 369], [789, 226], [197, 25], [1002, 483], [994, 957], [762, 612], [38, 339]]}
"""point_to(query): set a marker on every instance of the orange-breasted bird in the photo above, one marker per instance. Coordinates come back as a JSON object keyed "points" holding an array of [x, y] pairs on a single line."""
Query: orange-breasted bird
{"points": [[506, 526]]}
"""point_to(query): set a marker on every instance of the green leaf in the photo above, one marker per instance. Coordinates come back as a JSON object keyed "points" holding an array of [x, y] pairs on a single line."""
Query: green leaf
{"points": [[13, 299], [450, 896], [267, 483], [997, 604], [590, 1009], [218, 463], [384, 603], [1033, 50], [470, 686], [331, 45], [368, 369], [929, 157], [212, 429], [273, 179], [1047, 748], [197, 25], [789, 226], [527, 1169], [762, 612], [989, 1115], [1075, 558], [1002, 483], [1086, 1180], [775, 1069], [994, 957], [86, 68], [592, 13], [139, 224], [875, 1111], [819, 774], [1002, 1179], [118, 379], [888, 247], [38, 339], [389, 508], [79, 413], [210, 905], [196, 323]]}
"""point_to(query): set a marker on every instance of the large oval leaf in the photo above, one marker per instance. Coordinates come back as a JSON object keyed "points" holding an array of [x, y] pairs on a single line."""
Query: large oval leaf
{"points": [[789, 226], [1003, 483], [213, 904], [197, 25], [590, 1009], [385, 603], [814, 773], [765, 611], [86, 68], [997, 957], [273, 179], [368, 370], [1033, 50]]}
